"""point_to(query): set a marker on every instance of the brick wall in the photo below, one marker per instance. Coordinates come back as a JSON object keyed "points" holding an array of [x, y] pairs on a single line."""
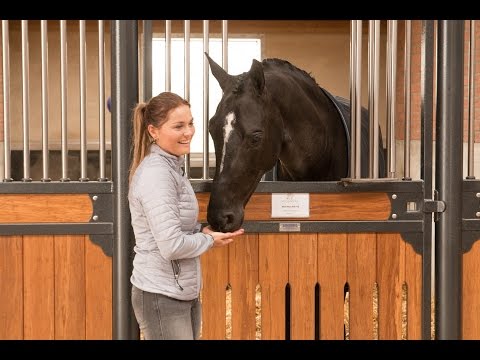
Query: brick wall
{"points": [[415, 81]]}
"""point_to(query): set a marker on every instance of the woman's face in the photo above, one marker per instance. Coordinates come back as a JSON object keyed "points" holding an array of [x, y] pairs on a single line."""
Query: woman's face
{"points": [[174, 136]]}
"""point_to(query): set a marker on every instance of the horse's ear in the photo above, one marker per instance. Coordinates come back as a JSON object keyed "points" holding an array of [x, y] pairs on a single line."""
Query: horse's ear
{"points": [[221, 75], [256, 73]]}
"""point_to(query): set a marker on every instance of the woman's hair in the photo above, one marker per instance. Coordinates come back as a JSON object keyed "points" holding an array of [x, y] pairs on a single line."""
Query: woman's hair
{"points": [[155, 112]]}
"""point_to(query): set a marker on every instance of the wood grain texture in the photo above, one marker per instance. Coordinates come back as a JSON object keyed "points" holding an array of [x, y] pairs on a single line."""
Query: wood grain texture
{"points": [[349, 206], [69, 287], [98, 292], [215, 280], [471, 295], [332, 276], [361, 268], [389, 250], [39, 287], [243, 270], [11, 288], [41, 208], [273, 278], [302, 273], [413, 276]]}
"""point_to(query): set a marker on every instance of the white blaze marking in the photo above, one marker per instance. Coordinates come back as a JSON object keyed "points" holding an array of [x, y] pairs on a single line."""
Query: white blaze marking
{"points": [[227, 131]]}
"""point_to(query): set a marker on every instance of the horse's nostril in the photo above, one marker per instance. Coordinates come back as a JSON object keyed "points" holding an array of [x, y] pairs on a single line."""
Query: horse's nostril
{"points": [[229, 218]]}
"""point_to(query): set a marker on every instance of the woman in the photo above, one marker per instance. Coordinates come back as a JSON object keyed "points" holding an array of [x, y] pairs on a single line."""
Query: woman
{"points": [[166, 278]]}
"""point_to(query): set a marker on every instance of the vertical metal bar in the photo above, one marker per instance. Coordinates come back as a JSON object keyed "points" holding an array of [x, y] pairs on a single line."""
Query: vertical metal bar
{"points": [[83, 102], [147, 59], [63, 97], [355, 96], [225, 45], [186, 71], [25, 102], [206, 97], [6, 99], [124, 97], [426, 117], [373, 85], [168, 55], [449, 179], [101, 101], [391, 91], [471, 104], [408, 61], [44, 47]]}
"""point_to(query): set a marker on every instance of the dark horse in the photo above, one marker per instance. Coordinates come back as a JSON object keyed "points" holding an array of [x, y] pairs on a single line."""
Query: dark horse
{"points": [[276, 114]]}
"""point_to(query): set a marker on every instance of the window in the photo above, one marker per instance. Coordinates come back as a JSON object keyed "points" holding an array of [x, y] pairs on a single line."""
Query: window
{"points": [[240, 55]]}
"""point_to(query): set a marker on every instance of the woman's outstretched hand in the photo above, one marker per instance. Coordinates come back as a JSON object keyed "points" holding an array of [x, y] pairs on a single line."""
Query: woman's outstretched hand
{"points": [[221, 238]]}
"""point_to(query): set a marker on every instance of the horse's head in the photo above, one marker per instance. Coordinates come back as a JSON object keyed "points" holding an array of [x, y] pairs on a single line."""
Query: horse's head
{"points": [[247, 131]]}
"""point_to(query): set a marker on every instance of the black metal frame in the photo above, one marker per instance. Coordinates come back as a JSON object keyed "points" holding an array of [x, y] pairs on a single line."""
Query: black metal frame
{"points": [[449, 153], [124, 98]]}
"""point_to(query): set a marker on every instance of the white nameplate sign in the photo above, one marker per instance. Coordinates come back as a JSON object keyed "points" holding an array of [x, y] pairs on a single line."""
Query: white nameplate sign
{"points": [[290, 205]]}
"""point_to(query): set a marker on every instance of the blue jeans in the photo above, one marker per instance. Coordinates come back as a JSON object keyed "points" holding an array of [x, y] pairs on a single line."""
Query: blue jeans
{"points": [[164, 318]]}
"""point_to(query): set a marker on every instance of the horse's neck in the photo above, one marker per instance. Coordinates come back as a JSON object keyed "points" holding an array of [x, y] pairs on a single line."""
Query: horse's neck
{"points": [[312, 149]]}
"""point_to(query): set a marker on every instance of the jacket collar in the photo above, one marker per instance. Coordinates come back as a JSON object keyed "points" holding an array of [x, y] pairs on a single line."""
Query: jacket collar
{"points": [[177, 161]]}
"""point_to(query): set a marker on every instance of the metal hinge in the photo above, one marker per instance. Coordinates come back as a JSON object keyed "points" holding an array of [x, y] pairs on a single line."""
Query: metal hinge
{"points": [[434, 206]]}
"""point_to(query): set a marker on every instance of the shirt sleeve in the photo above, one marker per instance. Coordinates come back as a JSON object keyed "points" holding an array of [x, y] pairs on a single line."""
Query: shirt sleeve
{"points": [[160, 201]]}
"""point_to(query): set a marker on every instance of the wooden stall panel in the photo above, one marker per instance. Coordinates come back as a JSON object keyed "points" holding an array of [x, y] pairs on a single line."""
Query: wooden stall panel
{"points": [[332, 275], [344, 206], [215, 281], [390, 277], [361, 251], [243, 271], [413, 276], [470, 294], [98, 289], [273, 278], [39, 287], [44, 208], [70, 287], [302, 273], [11, 288]]}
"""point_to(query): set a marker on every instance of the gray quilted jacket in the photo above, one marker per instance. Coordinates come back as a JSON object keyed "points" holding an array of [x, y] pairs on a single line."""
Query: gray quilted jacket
{"points": [[168, 241]]}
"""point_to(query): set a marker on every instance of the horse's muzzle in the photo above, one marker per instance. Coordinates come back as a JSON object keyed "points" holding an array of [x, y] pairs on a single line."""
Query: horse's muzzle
{"points": [[224, 220]]}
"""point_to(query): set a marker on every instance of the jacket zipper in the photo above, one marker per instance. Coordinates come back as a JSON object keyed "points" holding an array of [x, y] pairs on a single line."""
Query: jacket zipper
{"points": [[176, 272]]}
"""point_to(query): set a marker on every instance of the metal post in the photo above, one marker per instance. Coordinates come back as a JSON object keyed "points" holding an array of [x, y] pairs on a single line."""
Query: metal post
{"points": [[147, 59], [355, 96], [471, 104], [83, 100], [6, 99], [391, 95], [426, 117], [44, 58], [448, 175], [26, 102], [101, 95], [408, 63], [206, 99], [124, 97], [186, 72], [373, 85], [64, 98], [168, 55]]}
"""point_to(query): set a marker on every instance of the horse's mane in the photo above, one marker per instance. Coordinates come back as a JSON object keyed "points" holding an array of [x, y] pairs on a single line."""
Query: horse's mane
{"points": [[275, 63], [286, 64]]}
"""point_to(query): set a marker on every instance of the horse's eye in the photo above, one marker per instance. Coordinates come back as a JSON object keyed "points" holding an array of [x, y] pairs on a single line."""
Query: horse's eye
{"points": [[256, 138]]}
